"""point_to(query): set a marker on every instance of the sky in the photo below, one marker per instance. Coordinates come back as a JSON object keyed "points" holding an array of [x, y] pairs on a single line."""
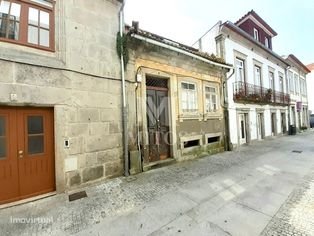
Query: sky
{"points": [[186, 21]]}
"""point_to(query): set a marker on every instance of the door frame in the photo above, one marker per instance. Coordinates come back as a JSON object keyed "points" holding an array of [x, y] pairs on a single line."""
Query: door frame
{"points": [[262, 125], [246, 113], [39, 195], [273, 122], [146, 72]]}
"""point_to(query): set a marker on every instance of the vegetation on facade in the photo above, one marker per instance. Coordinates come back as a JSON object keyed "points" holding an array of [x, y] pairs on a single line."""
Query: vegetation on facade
{"points": [[122, 47]]}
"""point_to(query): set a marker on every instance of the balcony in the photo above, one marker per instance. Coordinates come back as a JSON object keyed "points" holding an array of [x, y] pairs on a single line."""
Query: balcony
{"points": [[249, 93]]}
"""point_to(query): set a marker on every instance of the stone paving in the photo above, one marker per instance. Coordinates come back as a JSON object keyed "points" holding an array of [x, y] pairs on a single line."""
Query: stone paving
{"points": [[118, 197], [114, 197], [296, 216]]}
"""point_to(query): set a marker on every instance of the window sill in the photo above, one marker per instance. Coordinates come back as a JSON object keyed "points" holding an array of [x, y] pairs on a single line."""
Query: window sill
{"points": [[190, 116], [214, 116]]}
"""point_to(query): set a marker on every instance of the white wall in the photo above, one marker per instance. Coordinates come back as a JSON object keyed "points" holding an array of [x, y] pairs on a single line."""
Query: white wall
{"points": [[230, 46], [310, 93]]}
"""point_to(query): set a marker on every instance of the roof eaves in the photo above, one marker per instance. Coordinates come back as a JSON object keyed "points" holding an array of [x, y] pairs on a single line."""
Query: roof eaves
{"points": [[296, 60], [180, 46], [238, 30]]}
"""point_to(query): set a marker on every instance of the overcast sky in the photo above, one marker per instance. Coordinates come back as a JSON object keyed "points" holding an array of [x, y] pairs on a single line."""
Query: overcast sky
{"points": [[187, 20]]}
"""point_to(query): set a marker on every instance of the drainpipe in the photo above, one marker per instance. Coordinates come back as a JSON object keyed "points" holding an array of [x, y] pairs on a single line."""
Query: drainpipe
{"points": [[289, 120], [226, 112], [124, 105]]}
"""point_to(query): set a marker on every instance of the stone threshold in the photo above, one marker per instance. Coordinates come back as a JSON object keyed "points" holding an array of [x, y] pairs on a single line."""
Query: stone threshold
{"points": [[27, 200], [158, 164]]}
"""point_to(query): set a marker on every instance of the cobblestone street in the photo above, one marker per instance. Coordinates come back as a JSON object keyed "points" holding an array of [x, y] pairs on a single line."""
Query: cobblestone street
{"points": [[231, 193], [296, 216]]}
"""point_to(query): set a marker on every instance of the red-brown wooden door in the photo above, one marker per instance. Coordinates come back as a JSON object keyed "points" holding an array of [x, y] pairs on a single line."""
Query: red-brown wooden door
{"points": [[27, 163]]}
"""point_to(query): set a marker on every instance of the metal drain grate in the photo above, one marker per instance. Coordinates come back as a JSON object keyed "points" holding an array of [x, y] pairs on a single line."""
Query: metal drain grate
{"points": [[297, 151], [76, 196]]}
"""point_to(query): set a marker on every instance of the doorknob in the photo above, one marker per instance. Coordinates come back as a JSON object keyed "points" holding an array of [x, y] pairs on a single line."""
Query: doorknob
{"points": [[21, 154]]}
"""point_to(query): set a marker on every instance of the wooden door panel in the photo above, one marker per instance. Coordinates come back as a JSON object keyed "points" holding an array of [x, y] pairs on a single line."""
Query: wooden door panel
{"points": [[36, 152], [9, 188], [158, 124]]}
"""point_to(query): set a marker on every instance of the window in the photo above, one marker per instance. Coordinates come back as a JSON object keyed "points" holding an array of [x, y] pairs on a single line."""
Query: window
{"points": [[189, 97], [27, 22], [266, 42], [240, 70], [281, 85], [256, 35], [211, 99], [271, 80], [291, 81], [258, 77], [303, 86], [296, 82]]}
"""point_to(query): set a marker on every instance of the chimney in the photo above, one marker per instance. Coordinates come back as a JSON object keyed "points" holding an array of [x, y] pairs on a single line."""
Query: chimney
{"points": [[135, 25]]}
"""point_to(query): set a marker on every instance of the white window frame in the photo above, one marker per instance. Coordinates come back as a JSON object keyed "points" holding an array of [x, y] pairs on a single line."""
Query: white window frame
{"points": [[297, 84], [291, 82], [256, 34], [272, 84], [190, 92], [258, 75], [209, 103], [266, 42], [240, 70]]}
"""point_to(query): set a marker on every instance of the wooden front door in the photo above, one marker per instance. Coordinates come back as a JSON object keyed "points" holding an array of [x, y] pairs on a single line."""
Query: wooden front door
{"points": [[26, 153], [158, 124]]}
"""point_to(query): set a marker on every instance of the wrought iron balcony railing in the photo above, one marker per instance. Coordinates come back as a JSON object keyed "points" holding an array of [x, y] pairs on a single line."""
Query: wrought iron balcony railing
{"points": [[250, 93]]}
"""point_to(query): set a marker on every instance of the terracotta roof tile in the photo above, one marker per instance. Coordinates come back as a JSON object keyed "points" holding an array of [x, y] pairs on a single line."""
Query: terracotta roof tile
{"points": [[310, 66]]}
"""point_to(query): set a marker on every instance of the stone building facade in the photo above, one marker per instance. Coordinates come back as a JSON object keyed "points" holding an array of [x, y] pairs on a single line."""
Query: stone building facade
{"points": [[178, 107], [66, 77]]}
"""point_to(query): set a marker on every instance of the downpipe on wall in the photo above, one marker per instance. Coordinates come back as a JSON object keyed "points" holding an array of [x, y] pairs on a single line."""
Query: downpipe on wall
{"points": [[124, 105], [226, 112]]}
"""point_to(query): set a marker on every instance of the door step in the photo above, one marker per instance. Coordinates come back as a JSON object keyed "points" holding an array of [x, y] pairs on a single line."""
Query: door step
{"points": [[158, 164]]}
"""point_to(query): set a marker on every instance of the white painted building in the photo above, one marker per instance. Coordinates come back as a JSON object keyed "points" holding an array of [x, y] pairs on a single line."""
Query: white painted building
{"points": [[297, 87], [257, 98], [310, 85]]}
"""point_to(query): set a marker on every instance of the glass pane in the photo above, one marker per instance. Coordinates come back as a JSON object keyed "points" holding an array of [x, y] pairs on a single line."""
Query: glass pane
{"points": [[4, 7], [44, 19], [44, 37], [33, 16], [15, 11], [35, 144], [3, 148], [2, 126], [35, 125], [3, 28], [184, 85], [13, 32], [191, 86], [32, 34]]}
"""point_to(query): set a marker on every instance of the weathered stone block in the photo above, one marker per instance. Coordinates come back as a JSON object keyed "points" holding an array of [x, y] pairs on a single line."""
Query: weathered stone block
{"points": [[75, 179], [114, 114], [91, 159], [78, 129], [109, 155], [114, 168], [76, 145], [99, 128], [114, 128], [93, 173], [88, 115], [103, 142]]}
